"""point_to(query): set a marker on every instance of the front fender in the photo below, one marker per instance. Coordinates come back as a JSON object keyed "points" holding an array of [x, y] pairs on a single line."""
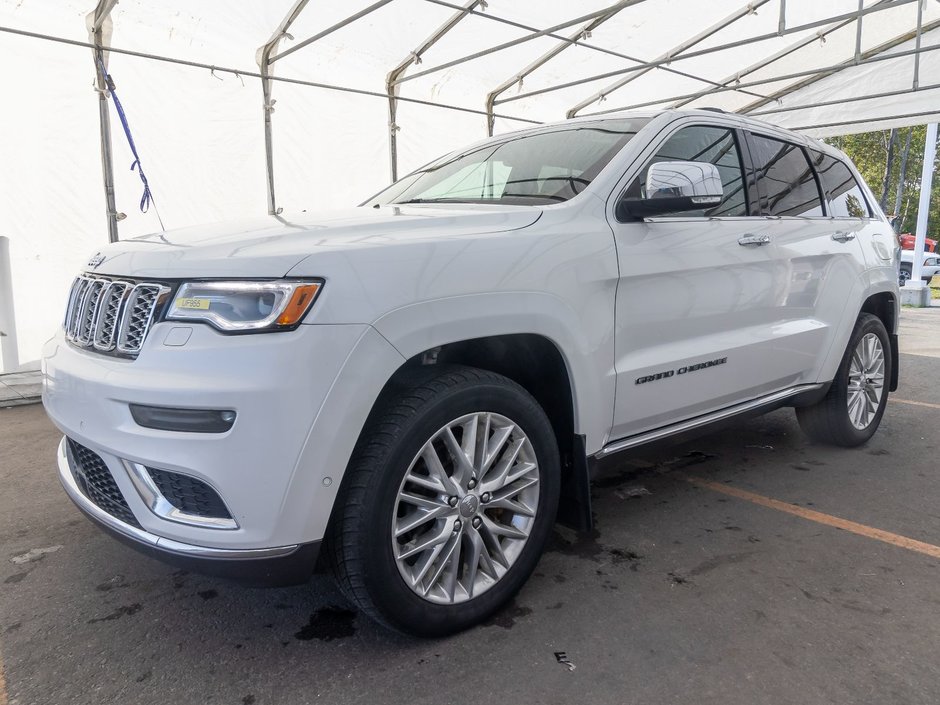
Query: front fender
{"points": [[585, 343]]}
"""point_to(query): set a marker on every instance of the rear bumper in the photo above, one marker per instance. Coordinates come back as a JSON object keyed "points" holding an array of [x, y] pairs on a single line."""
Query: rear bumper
{"points": [[280, 565]]}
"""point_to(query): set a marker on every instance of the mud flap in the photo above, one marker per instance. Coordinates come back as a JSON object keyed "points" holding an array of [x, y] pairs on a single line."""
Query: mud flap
{"points": [[574, 506]]}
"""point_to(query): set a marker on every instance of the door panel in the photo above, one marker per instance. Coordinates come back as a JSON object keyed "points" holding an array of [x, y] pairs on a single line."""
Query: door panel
{"points": [[696, 304], [696, 320], [819, 277], [819, 258]]}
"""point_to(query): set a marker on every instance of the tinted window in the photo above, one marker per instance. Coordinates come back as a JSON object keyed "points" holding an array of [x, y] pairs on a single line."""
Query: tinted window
{"points": [[846, 199], [786, 182], [714, 145], [534, 168]]}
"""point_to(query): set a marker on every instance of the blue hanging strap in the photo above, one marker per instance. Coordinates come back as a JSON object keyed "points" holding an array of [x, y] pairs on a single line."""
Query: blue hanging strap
{"points": [[147, 198]]}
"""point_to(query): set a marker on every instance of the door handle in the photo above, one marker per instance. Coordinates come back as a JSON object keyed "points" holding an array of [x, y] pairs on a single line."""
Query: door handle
{"points": [[754, 239], [843, 236]]}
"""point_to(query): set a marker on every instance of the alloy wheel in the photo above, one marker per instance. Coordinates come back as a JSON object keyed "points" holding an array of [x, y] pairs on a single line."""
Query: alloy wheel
{"points": [[465, 508], [866, 381]]}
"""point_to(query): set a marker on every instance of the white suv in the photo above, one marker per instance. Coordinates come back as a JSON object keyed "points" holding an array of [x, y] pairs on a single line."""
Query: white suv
{"points": [[420, 386]]}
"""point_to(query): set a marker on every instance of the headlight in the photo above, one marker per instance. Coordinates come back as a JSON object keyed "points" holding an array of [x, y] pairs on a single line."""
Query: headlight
{"points": [[245, 306]]}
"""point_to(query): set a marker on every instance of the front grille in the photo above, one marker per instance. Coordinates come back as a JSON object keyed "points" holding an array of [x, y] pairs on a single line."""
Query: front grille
{"points": [[189, 495], [96, 482], [111, 316]]}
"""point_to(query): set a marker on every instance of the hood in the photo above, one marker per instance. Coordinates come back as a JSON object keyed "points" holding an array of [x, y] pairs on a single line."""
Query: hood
{"points": [[271, 246]]}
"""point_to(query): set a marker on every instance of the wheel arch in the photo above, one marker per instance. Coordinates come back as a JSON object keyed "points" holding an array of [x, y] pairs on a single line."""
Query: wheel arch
{"points": [[535, 363], [884, 305]]}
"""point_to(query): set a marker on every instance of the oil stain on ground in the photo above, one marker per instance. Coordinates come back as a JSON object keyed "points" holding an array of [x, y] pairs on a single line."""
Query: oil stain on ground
{"points": [[328, 624], [506, 618], [118, 613]]}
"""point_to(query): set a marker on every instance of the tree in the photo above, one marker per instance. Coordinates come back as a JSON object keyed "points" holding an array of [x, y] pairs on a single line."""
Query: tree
{"points": [[869, 151]]}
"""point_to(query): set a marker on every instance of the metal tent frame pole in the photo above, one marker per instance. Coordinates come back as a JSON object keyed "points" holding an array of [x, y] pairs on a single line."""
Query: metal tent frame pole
{"points": [[263, 57], [392, 79], [572, 40], [329, 30], [852, 16], [775, 79], [676, 51], [582, 33], [99, 33], [859, 59], [522, 40]]}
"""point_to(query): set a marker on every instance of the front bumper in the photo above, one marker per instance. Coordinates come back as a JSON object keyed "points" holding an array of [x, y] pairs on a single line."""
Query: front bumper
{"points": [[283, 565], [301, 399]]}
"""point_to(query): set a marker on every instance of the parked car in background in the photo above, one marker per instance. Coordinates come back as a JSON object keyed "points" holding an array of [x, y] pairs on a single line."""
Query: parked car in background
{"points": [[907, 241], [931, 266], [420, 386]]}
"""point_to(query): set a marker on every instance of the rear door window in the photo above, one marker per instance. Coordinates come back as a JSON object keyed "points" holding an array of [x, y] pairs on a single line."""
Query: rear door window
{"points": [[845, 196], [786, 182]]}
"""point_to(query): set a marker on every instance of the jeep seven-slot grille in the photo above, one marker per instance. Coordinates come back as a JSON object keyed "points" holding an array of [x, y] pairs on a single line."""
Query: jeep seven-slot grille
{"points": [[111, 316], [96, 482]]}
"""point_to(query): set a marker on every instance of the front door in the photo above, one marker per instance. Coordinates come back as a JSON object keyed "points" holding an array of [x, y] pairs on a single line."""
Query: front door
{"points": [[697, 297]]}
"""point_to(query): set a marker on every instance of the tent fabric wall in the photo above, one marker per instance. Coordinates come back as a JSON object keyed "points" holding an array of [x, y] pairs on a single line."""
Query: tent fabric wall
{"points": [[200, 136]]}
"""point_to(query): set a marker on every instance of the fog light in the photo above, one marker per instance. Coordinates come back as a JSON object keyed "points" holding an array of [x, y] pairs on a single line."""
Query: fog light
{"points": [[165, 418]]}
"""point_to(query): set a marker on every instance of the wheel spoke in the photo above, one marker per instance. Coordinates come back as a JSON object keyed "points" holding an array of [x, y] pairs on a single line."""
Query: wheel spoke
{"points": [[436, 469], [493, 547], [448, 557], [494, 447], [512, 506], [424, 565], [429, 540], [482, 443], [419, 517], [463, 466], [423, 502], [501, 470], [506, 530], [468, 443]]}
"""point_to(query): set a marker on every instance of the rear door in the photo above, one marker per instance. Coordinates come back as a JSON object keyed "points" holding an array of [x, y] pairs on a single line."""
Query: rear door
{"points": [[818, 258], [696, 304]]}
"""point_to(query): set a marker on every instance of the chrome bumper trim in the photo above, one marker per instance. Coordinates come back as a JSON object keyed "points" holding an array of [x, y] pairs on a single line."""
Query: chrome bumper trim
{"points": [[152, 540], [699, 421], [160, 506]]}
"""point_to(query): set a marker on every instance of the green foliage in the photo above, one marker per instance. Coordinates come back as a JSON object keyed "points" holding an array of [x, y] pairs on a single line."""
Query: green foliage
{"points": [[869, 151]]}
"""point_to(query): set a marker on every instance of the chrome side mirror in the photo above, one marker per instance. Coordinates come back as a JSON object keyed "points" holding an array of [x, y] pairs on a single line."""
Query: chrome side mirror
{"points": [[674, 187]]}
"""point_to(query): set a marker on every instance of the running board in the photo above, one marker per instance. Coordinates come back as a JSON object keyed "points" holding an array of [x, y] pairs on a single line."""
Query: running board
{"points": [[705, 420]]}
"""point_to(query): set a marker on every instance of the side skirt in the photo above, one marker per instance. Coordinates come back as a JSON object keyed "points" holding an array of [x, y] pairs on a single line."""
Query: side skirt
{"points": [[755, 407]]}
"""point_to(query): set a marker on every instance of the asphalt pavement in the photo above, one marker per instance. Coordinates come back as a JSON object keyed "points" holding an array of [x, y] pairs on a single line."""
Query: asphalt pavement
{"points": [[719, 572]]}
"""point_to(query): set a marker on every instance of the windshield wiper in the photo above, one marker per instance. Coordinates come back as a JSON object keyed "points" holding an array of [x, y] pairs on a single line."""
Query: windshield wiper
{"points": [[428, 200]]}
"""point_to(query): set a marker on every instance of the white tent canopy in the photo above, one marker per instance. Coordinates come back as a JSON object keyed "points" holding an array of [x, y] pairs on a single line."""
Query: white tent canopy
{"points": [[189, 77]]}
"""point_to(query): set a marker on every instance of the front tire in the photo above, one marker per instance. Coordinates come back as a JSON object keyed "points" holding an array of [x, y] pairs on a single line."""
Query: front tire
{"points": [[851, 411], [448, 501]]}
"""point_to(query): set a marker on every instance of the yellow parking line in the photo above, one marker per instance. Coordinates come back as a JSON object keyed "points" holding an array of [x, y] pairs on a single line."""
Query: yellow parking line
{"points": [[894, 400], [820, 518]]}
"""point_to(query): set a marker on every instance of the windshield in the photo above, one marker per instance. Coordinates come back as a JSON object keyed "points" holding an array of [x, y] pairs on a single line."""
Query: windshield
{"points": [[540, 168]]}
